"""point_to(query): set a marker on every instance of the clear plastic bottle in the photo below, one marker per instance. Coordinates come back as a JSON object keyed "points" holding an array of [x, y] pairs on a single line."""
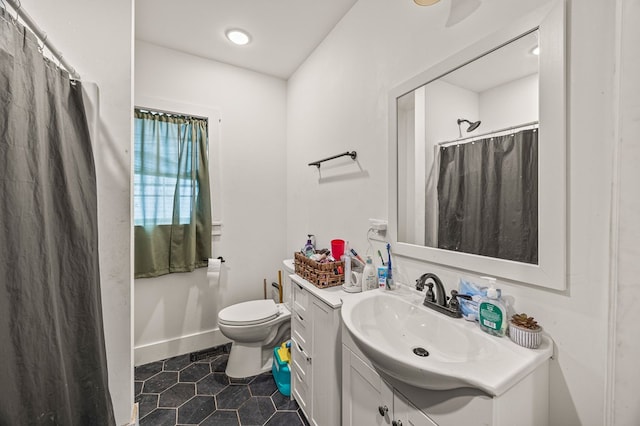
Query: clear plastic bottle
{"points": [[369, 276], [492, 313]]}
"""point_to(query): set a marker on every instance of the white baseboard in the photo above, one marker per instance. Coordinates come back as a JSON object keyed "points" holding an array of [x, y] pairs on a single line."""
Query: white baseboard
{"points": [[163, 349]]}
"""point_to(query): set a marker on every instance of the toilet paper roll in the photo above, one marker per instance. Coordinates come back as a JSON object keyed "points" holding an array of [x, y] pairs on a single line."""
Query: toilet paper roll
{"points": [[213, 271]]}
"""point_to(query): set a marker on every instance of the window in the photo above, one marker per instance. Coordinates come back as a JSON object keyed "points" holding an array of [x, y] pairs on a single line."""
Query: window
{"points": [[172, 211], [156, 173]]}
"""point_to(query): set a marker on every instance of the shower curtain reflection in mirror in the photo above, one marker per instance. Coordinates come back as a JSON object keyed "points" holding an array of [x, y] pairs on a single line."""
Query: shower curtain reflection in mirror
{"points": [[487, 195]]}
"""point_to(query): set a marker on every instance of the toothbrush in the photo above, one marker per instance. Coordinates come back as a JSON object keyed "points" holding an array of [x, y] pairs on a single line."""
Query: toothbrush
{"points": [[381, 258], [357, 256], [389, 285]]}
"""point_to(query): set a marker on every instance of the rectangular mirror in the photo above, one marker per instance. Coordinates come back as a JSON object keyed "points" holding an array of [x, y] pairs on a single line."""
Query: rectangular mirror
{"points": [[477, 156]]}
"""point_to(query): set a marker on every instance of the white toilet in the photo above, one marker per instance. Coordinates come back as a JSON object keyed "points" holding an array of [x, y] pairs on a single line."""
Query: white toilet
{"points": [[255, 327]]}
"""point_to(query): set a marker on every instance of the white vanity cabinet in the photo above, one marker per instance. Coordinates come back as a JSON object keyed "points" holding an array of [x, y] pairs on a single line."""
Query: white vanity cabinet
{"points": [[407, 414], [368, 399], [315, 351]]}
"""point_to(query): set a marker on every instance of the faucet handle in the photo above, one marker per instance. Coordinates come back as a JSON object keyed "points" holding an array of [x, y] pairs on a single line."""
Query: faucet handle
{"points": [[419, 284], [430, 296], [453, 303]]}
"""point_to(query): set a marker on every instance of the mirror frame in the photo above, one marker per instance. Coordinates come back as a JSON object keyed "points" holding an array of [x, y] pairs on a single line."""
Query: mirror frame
{"points": [[551, 270]]}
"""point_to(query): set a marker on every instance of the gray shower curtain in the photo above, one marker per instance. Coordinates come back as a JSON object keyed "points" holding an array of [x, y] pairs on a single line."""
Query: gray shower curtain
{"points": [[488, 197], [52, 356]]}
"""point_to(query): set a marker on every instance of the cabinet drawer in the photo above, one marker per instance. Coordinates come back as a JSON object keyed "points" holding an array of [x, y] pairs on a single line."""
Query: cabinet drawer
{"points": [[301, 298], [300, 392], [301, 362], [301, 329]]}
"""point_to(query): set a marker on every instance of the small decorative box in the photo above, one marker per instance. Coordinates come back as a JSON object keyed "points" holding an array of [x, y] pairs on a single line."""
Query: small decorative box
{"points": [[524, 336]]}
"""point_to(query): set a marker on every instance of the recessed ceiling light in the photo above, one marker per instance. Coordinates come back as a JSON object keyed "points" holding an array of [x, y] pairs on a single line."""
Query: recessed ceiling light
{"points": [[425, 2], [238, 37], [535, 51]]}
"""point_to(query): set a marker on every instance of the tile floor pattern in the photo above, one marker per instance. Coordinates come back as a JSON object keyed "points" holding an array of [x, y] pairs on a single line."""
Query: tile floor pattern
{"points": [[177, 391]]}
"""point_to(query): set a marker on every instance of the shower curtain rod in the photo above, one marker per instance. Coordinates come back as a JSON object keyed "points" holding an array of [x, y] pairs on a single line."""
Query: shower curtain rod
{"points": [[482, 135], [15, 4]]}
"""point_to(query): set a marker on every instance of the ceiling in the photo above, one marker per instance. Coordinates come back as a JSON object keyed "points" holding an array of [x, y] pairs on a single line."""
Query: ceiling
{"points": [[508, 63], [283, 32]]}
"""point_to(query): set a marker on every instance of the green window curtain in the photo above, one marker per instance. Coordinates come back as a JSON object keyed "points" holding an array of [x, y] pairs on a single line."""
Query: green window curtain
{"points": [[172, 202]]}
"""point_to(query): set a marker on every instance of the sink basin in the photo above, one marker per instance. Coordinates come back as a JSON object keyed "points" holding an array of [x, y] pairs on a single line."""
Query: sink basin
{"points": [[429, 350]]}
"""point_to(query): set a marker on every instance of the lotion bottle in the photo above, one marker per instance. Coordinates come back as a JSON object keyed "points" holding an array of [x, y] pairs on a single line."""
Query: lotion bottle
{"points": [[492, 313], [369, 276]]}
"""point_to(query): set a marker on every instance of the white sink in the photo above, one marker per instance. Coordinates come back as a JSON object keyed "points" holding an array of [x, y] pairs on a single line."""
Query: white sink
{"points": [[388, 326]]}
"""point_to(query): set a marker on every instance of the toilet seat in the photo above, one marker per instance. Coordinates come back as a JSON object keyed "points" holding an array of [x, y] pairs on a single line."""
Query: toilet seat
{"points": [[249, 313]]}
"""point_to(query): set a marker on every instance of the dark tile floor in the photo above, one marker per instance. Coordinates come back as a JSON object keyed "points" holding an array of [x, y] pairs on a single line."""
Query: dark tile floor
{"points": [[177, 391]]}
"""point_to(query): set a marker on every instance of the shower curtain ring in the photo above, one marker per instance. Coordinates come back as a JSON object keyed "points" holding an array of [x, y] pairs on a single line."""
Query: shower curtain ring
{"points": [[42, 46]]}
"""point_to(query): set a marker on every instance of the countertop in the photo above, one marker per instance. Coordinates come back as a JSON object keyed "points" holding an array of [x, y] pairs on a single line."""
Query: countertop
{"points": [[332, 296]]}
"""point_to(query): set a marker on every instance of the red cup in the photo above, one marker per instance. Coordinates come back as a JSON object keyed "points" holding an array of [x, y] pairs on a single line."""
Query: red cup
{"points": [[337, 249]]}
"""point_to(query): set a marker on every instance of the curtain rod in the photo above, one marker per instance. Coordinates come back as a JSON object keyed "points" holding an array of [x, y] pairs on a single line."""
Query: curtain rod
{"points": [[482, 135], [15, 4], [170, 113]]}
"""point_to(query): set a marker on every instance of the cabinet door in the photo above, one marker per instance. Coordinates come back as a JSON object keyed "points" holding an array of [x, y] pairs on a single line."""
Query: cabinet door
{"points": [[325, 365], [406, 414], [366, 398]]}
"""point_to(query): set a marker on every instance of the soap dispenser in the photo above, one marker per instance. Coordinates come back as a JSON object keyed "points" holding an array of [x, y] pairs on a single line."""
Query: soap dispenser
{"points": [[309, 248], [492, 313]]}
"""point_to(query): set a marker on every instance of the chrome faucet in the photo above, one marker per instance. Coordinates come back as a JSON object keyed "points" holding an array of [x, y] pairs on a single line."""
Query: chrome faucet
{"points": [[438, 300]]}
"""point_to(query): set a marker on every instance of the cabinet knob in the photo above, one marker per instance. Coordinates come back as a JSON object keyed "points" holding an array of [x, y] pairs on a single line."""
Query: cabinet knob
{"points": [[383, 410], [396, 423]]}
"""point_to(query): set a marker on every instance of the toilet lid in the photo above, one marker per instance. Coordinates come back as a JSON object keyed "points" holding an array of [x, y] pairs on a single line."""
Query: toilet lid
{"points": [[247, 313]]}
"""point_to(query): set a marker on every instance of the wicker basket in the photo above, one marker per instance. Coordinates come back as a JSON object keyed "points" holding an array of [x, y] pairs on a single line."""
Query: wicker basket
{"points": [[322, 275]]}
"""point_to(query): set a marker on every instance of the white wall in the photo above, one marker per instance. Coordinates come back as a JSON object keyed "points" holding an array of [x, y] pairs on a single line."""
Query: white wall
{"points": [[625, 345], [96, 39], [509, 104], [177, 313], [446, 103], [337, 100]]}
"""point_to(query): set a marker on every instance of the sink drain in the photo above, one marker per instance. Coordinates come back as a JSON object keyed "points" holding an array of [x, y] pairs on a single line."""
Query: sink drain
{"points": [[421, 351]]}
